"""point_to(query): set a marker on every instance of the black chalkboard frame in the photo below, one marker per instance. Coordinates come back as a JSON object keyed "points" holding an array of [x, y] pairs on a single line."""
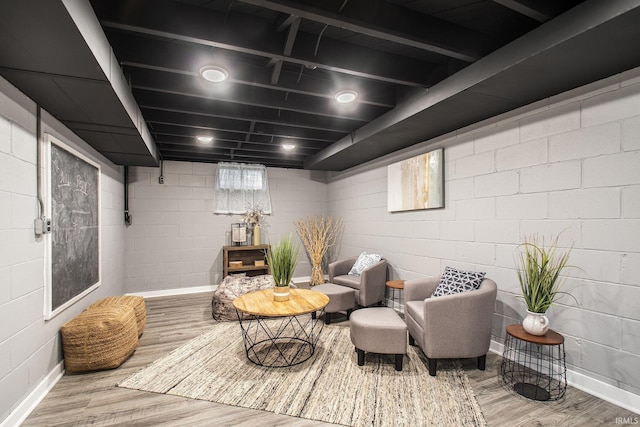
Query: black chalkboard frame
{"points": [[81, 177]]}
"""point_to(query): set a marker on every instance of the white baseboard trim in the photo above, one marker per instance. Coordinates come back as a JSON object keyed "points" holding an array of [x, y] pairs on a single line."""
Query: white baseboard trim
{"points": [[617, 396], [175, 291], [22, 411], [199, 289]]}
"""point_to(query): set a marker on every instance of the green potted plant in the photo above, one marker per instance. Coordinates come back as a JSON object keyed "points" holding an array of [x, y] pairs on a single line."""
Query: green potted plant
{"points": [[539, 267], [282, 259]]}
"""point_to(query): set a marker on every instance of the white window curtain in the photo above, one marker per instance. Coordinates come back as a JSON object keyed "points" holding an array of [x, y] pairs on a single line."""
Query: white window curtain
{"points": [[240, 187]]}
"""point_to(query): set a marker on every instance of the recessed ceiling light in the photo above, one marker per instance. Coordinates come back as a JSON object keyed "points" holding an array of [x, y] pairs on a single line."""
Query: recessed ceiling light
{"points": [[346, 96], [214, 73], [205, 139], [288, 146]]}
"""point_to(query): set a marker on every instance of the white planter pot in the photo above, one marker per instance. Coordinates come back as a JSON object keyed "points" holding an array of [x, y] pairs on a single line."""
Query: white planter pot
{"points": [[535, 323]]}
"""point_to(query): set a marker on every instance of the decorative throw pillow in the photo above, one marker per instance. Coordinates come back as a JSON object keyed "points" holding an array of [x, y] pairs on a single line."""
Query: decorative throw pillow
{"points": [[364, 260], [455, 281]]}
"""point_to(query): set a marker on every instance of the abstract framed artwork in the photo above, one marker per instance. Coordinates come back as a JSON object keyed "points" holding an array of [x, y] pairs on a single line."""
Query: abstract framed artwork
{"points": [[416, 183]]}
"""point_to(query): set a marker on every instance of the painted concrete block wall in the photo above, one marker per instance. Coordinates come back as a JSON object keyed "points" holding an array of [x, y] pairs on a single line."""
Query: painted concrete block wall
{"points": [[176, 240], [30, 347], [567, 165]]}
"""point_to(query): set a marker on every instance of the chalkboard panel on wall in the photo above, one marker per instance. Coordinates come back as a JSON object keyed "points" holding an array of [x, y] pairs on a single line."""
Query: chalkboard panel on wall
{"points": [[75, 238]]}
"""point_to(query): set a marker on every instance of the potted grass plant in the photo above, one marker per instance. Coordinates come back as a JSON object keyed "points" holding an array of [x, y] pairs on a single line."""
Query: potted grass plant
{"points": [[282, 259], [539, 267]]}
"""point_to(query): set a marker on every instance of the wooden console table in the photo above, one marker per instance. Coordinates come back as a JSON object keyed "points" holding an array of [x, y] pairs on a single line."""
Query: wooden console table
{"points": [[247, 255]]}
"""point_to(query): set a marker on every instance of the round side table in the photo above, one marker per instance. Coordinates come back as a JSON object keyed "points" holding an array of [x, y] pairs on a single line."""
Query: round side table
{"points": [[534, 366], [396, 286]]}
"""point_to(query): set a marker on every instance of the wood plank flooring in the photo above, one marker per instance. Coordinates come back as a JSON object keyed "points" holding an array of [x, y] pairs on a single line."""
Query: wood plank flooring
{"points": [[93, 400]]}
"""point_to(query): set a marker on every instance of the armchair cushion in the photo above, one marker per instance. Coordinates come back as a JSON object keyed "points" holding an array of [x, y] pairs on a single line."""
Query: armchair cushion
{"points": [[364, 260], [349, 280], [455, 281]]}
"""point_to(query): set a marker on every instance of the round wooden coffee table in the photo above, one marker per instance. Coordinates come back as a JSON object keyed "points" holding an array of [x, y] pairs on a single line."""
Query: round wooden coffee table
{"points": [[278, 334]]}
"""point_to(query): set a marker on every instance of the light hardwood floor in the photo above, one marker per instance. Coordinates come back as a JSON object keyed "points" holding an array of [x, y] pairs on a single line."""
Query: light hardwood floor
{"points": [[92, 399]]}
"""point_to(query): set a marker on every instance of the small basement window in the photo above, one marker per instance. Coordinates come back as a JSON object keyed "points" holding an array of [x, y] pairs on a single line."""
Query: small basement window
{"points": [[240, 187]]}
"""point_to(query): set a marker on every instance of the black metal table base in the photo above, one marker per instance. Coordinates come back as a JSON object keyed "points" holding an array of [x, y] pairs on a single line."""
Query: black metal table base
{"points": [[280, 341], [533, 370]]}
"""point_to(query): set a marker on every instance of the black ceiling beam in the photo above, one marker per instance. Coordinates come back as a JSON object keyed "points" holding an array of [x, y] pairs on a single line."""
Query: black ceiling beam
{"points": [[524, 9], [209, 122], [232, 143], [194, 87], [187, 134], [553, 58], [219, 109], [388, 22], [238, 33], [258, 157], [288, 46], [186, 59], [169, 144]]}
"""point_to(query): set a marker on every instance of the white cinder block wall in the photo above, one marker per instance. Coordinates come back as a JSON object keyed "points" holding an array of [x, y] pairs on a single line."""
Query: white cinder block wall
{"points": [[176, 240], [30, 348], [570, 164]]}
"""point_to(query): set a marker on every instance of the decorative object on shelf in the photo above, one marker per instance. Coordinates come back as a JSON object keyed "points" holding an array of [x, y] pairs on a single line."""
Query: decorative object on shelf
{"points": [[539, 267], [318, 234], [256, 234], [235, 264], [282, 259], [252, 217], [238, 234], [258, 263]]}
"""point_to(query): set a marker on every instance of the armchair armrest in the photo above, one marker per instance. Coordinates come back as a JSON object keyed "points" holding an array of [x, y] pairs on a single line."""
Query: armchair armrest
{"points": [[340, 268], [419, 289], [373, 283]]}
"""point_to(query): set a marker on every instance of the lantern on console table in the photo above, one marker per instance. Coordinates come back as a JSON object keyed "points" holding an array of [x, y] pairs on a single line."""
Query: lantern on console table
{"points": [[238, 234]]}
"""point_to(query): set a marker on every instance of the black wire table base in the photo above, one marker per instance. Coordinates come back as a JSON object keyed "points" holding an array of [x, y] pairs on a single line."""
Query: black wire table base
{"points": [[536, 371], [280, 341]]}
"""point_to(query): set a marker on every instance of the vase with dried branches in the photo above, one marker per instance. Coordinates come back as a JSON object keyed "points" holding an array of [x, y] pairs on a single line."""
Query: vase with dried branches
{"points": [[318, 234]]}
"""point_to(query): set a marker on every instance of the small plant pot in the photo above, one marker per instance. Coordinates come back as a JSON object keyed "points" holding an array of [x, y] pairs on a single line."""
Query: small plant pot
{"points": [[535, 323], [281, 293]]}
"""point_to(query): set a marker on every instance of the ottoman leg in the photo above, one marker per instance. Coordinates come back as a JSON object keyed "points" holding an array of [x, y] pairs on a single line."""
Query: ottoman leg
{"points": [[313, 314], [349, 312], [433, 364], [327, 318], [360, 357]]}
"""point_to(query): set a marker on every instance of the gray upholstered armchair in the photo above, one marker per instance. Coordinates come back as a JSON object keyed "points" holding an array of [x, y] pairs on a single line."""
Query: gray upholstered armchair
{"points": [[369, 286], [451, 326]]}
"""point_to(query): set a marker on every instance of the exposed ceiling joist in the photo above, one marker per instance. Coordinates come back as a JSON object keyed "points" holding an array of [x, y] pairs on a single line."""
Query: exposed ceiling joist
{"points": [[212, 29], [389, 23], [524, 9]]}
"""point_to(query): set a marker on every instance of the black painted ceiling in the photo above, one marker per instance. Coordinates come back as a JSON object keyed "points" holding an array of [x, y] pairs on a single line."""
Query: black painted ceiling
{"points": [[421, 67]]}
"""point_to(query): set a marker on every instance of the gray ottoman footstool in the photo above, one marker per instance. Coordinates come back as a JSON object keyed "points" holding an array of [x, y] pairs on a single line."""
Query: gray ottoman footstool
{"points": [[378, 330], [341, 298]]}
